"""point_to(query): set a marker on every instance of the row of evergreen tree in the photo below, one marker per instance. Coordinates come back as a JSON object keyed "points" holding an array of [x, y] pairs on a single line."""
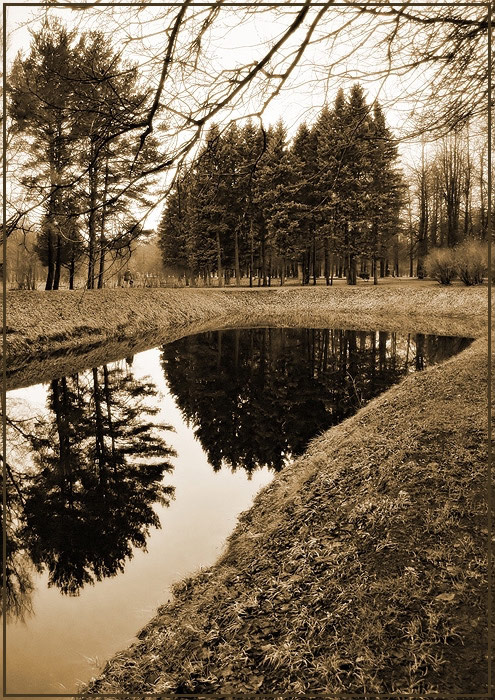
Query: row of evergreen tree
{"points": [[254, 204]]}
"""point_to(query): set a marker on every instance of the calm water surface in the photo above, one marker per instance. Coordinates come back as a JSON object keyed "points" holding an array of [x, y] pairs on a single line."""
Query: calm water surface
{"points": [[126, 477]]}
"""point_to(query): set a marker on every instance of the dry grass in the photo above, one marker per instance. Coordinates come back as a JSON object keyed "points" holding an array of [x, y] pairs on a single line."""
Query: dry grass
{"points": [[40, 324], [360, 569]]}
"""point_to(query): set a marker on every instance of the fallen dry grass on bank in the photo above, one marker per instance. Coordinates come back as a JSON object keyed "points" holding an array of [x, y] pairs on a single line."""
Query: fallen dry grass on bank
{"points": [[360, 569], [41, 325]]}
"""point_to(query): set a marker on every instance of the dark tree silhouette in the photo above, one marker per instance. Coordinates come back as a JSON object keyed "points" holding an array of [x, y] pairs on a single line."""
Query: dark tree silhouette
{"points": [[99, 467], [257, 396]]}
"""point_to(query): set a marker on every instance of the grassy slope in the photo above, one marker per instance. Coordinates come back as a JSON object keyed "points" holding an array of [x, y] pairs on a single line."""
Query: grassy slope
{"points": [[361, 568], [39, 323]]}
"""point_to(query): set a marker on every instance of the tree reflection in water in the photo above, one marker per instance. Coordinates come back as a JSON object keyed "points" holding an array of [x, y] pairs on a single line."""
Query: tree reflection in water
{"points": [[257, 396], [86, 500], [82, 479]]}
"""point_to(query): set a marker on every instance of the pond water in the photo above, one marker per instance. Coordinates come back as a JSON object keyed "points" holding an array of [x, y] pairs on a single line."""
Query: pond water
{"points": [[124, 478]]}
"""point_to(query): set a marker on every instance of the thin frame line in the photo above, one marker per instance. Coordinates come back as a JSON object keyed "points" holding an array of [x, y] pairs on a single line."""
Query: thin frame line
{"points": [[489, 388], [4, 345], [228, 694], [245, 4], [4, 350]]}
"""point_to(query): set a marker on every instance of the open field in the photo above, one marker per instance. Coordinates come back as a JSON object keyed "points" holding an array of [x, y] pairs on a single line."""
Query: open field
{"points": [[362, 567]]}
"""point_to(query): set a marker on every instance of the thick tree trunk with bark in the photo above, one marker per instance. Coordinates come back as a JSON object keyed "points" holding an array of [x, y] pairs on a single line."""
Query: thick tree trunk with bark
{"points": [[351, 270], [326, 253], [93, 185], [50, 260], [58, 263], [72, 269]]}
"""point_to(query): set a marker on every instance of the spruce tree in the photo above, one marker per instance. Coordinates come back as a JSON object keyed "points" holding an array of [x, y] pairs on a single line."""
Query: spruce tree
{"points": [[273, 193], [305, 218], [41, 90], [330, 185], [386, 189], [355, 177], [253, 148]]}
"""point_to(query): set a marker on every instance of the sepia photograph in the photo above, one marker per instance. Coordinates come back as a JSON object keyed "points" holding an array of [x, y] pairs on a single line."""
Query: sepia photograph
{"points": [[246, 297]]}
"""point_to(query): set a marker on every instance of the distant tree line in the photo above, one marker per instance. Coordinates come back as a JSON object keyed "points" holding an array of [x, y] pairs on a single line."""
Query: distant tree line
{"points": [[72, 100], [254, 204], [448, 204]]}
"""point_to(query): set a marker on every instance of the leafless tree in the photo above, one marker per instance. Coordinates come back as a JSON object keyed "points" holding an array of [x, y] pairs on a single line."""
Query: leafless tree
{"points": [[187, 55]]}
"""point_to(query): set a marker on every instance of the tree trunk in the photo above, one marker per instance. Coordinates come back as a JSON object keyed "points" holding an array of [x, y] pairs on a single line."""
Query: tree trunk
{"points": [[307, 266], [282, 271], [326, 252], [99, 429], [102, 227], [72, 270], [483, 217], [108, 401], [58, 263], [93, 183], [50, 260], [351, 271], [314, 259], [236, 258], [251, 252], [423, 220], [219, 261], [396, 255], [263, 260]]}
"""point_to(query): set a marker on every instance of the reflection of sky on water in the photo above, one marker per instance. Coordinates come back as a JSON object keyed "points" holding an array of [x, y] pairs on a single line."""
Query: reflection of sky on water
{"points": [[57, 644]]}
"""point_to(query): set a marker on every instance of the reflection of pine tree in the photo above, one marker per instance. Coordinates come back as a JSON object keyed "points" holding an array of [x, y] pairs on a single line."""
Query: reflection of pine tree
{"points": [[17, 584], [100, 465], [258, 396]]}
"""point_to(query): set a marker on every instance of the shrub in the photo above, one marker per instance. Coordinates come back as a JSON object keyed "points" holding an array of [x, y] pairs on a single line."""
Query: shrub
{"points": [[471, 261], [440, 264]]}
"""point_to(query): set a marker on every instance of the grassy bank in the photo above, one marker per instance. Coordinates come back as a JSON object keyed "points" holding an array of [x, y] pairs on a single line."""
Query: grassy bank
{"points": [[44, 324], [361, 568]]}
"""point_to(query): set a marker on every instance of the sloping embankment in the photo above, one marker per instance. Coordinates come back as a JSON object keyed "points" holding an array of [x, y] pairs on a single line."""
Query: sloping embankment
{"points": [[360, 569], [44, 325]]}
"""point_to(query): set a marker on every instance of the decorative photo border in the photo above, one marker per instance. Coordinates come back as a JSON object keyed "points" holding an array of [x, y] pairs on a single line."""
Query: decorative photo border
{"points": [[489, 694]]}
